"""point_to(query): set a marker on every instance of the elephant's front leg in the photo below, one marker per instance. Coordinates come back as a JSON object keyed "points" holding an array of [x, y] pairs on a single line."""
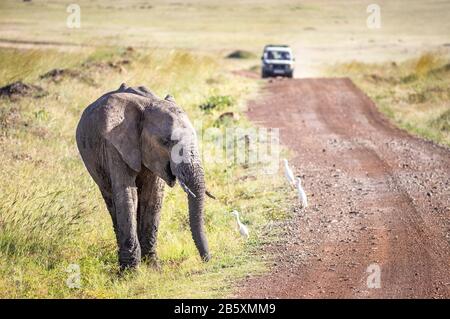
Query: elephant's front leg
{"points": [[125, 198], [151, 193], [126, 206]]}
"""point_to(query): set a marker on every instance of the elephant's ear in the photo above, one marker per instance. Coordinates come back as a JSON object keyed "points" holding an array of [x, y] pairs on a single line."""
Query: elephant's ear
{"points": [[124, 133]]}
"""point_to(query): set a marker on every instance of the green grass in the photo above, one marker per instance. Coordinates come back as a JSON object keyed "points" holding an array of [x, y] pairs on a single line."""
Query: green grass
{"points": [[52, 214], [414, 94]]}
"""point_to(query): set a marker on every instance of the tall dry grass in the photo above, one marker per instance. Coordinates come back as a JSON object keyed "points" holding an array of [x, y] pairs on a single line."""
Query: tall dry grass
{"points": [[415, 93]]}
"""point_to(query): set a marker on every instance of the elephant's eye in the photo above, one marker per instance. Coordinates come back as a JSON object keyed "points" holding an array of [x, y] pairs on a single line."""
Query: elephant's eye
{"points": [[165, 142]]}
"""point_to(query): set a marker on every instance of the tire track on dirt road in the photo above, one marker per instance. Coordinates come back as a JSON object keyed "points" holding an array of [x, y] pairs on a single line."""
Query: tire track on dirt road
{"points": [[377, 196]]}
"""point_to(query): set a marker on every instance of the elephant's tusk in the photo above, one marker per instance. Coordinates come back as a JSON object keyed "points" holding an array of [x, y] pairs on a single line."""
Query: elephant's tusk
{"points": [[186, 189], [210, 195]]}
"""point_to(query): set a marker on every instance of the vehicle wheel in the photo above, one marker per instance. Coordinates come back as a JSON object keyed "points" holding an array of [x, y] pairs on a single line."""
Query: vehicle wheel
{"points": [[264, 75], [290, 75]]}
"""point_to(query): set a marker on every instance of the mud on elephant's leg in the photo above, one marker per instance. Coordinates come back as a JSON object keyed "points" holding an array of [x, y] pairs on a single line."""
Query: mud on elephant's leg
{"points": [[150, 194]]}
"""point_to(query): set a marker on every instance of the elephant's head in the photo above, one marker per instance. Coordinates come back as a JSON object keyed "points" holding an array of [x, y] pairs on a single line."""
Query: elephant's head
{"points": [[161, 137]]}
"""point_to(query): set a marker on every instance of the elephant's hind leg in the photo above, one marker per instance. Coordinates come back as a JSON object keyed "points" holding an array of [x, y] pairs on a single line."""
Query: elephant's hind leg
{"points": [[109, 201], [150, 194]]}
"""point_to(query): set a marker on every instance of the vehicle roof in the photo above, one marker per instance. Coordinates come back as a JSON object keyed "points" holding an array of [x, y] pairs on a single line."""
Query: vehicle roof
{"points": [[273, 47], [277, 45]]}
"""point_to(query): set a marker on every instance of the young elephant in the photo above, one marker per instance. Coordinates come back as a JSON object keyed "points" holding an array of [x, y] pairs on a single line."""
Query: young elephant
{"points": [[131, 142]]}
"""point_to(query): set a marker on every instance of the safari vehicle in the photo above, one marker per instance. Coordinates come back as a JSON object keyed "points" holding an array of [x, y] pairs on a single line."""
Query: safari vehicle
{"points": [[277, 60]]}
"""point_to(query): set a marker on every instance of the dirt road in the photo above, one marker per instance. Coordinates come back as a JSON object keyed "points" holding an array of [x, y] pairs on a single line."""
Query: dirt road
{"points": [[377, 196]]}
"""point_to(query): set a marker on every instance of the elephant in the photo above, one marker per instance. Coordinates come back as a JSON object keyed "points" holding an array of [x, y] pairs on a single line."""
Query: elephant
{"points": [[132, 144]]}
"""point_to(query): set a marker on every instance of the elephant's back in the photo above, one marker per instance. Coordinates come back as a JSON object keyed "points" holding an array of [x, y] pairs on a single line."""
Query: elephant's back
{"points": [[88, 128], [106, 112]]}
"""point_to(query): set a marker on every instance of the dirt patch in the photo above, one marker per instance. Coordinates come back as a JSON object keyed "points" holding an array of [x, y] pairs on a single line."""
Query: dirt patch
{"points": [[58, 75], [129, 52], [241, 54], [377, 196], [102, 66], [20, 89]]}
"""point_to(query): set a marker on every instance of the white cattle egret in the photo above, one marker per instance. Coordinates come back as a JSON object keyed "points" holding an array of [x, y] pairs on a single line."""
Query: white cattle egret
{"points": [[242, 228], [301, 194], [289, 174]]}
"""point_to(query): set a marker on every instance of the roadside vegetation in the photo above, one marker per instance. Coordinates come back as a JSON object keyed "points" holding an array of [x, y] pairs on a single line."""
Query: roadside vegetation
{"points": [[414, 94], [51, 212]]}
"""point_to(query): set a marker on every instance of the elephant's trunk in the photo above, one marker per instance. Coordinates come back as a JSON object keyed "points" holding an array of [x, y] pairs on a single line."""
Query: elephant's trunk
{"points": [[192, 176]]}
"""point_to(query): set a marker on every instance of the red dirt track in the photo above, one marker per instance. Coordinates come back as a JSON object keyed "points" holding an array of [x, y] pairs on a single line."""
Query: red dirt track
{"points": [[376, 195]]}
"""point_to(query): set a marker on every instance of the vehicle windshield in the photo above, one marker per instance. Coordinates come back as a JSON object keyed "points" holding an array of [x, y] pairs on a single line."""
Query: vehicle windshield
{"points": [[278, 55]]}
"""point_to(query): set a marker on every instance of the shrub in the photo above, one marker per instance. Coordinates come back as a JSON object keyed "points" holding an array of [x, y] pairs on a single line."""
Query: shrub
{"points": [[216, 102]]}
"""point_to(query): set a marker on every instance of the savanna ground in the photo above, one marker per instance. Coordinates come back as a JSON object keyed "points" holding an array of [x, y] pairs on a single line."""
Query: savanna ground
{"points": [[51, 214]]}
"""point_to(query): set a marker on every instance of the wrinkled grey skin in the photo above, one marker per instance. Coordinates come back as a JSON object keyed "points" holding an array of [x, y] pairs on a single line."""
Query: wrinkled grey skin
{"points": [[124, 139]]}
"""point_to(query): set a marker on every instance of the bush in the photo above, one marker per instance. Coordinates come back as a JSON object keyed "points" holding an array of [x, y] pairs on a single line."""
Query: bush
{"points": [[216, 102], [442, 123]]}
